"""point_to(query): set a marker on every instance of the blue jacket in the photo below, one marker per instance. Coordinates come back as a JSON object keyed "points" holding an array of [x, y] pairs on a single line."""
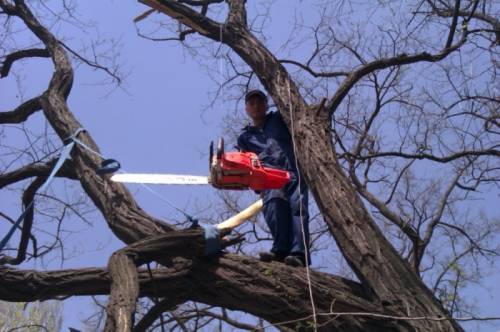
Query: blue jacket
{"points": [[273, 144]]}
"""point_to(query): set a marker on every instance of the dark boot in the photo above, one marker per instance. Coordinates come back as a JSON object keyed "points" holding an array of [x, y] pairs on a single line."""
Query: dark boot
{"points": [[266, 256], [295, 260]]}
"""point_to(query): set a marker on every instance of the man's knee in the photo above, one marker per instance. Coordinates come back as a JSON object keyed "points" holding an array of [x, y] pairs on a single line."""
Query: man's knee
{"points": [[276, 211]]}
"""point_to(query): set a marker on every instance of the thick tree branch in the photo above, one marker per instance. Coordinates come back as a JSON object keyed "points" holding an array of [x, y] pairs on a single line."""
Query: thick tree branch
{"points": [[7, 8], [124, 293], [13, 57], [22, 112], [37, 169], [234, 282]]}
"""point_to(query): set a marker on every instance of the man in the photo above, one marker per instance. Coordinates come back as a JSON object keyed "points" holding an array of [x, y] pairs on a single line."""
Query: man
{"points": [[269, 138]]}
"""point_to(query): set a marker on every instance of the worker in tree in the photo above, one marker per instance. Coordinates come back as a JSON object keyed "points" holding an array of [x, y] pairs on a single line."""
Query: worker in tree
{"points": [[285, 210]]}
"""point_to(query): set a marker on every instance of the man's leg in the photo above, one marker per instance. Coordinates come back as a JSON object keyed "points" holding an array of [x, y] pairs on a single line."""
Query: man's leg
{"points": [[277, 215], [300, 224]]}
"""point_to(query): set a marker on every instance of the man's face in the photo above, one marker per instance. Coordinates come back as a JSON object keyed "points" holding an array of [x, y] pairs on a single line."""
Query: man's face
{"points": [[256, 107]]}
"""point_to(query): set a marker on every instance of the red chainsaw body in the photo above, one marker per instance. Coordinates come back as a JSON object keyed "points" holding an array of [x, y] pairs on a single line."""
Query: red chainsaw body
{"points": [[243, 170]]}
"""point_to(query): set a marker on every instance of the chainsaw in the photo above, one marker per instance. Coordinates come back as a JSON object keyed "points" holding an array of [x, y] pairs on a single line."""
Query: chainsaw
{"points": [[227, 170]]}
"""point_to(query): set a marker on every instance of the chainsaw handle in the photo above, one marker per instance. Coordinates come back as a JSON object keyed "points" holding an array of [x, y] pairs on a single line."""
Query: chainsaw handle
{"points": [[220, 148], [210, 154]]}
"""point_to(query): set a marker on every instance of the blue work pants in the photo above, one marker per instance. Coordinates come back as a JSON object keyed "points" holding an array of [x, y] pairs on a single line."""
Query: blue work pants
{"points": [[283, 217]]}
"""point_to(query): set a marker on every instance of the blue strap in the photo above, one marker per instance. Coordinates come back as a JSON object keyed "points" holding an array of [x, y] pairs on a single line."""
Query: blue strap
{"points": [[16, 225], [62, 158], [212, 239]]}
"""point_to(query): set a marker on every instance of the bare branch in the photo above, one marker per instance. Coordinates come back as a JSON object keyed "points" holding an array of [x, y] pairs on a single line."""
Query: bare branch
{"points": [[187, 16], [453, 24], [444, 159], [37, 169], [441, 206], [200, 2], [447, 11], [156, 311], [399, 60], [22, 112], [12, 57], [473, 243], [313, 72], [94, 64], [28, 197], [405, 226]]}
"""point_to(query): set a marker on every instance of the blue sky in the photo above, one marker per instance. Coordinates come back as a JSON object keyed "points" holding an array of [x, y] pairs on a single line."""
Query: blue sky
{"points": [[156, 123]]}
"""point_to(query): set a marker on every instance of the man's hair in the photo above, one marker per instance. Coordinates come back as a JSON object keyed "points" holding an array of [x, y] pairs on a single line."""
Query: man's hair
{"points": [[255, 92]]}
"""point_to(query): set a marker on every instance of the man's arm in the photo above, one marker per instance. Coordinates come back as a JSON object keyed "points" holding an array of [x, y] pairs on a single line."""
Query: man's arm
{"points": [[241, 144]]}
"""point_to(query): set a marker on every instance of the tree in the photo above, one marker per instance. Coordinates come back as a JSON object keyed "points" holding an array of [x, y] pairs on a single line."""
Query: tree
{"points": [[366, 183]]}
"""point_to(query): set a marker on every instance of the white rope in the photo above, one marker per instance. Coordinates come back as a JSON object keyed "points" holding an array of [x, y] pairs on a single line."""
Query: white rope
{"points": [[306, 248], [219, 58]]}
